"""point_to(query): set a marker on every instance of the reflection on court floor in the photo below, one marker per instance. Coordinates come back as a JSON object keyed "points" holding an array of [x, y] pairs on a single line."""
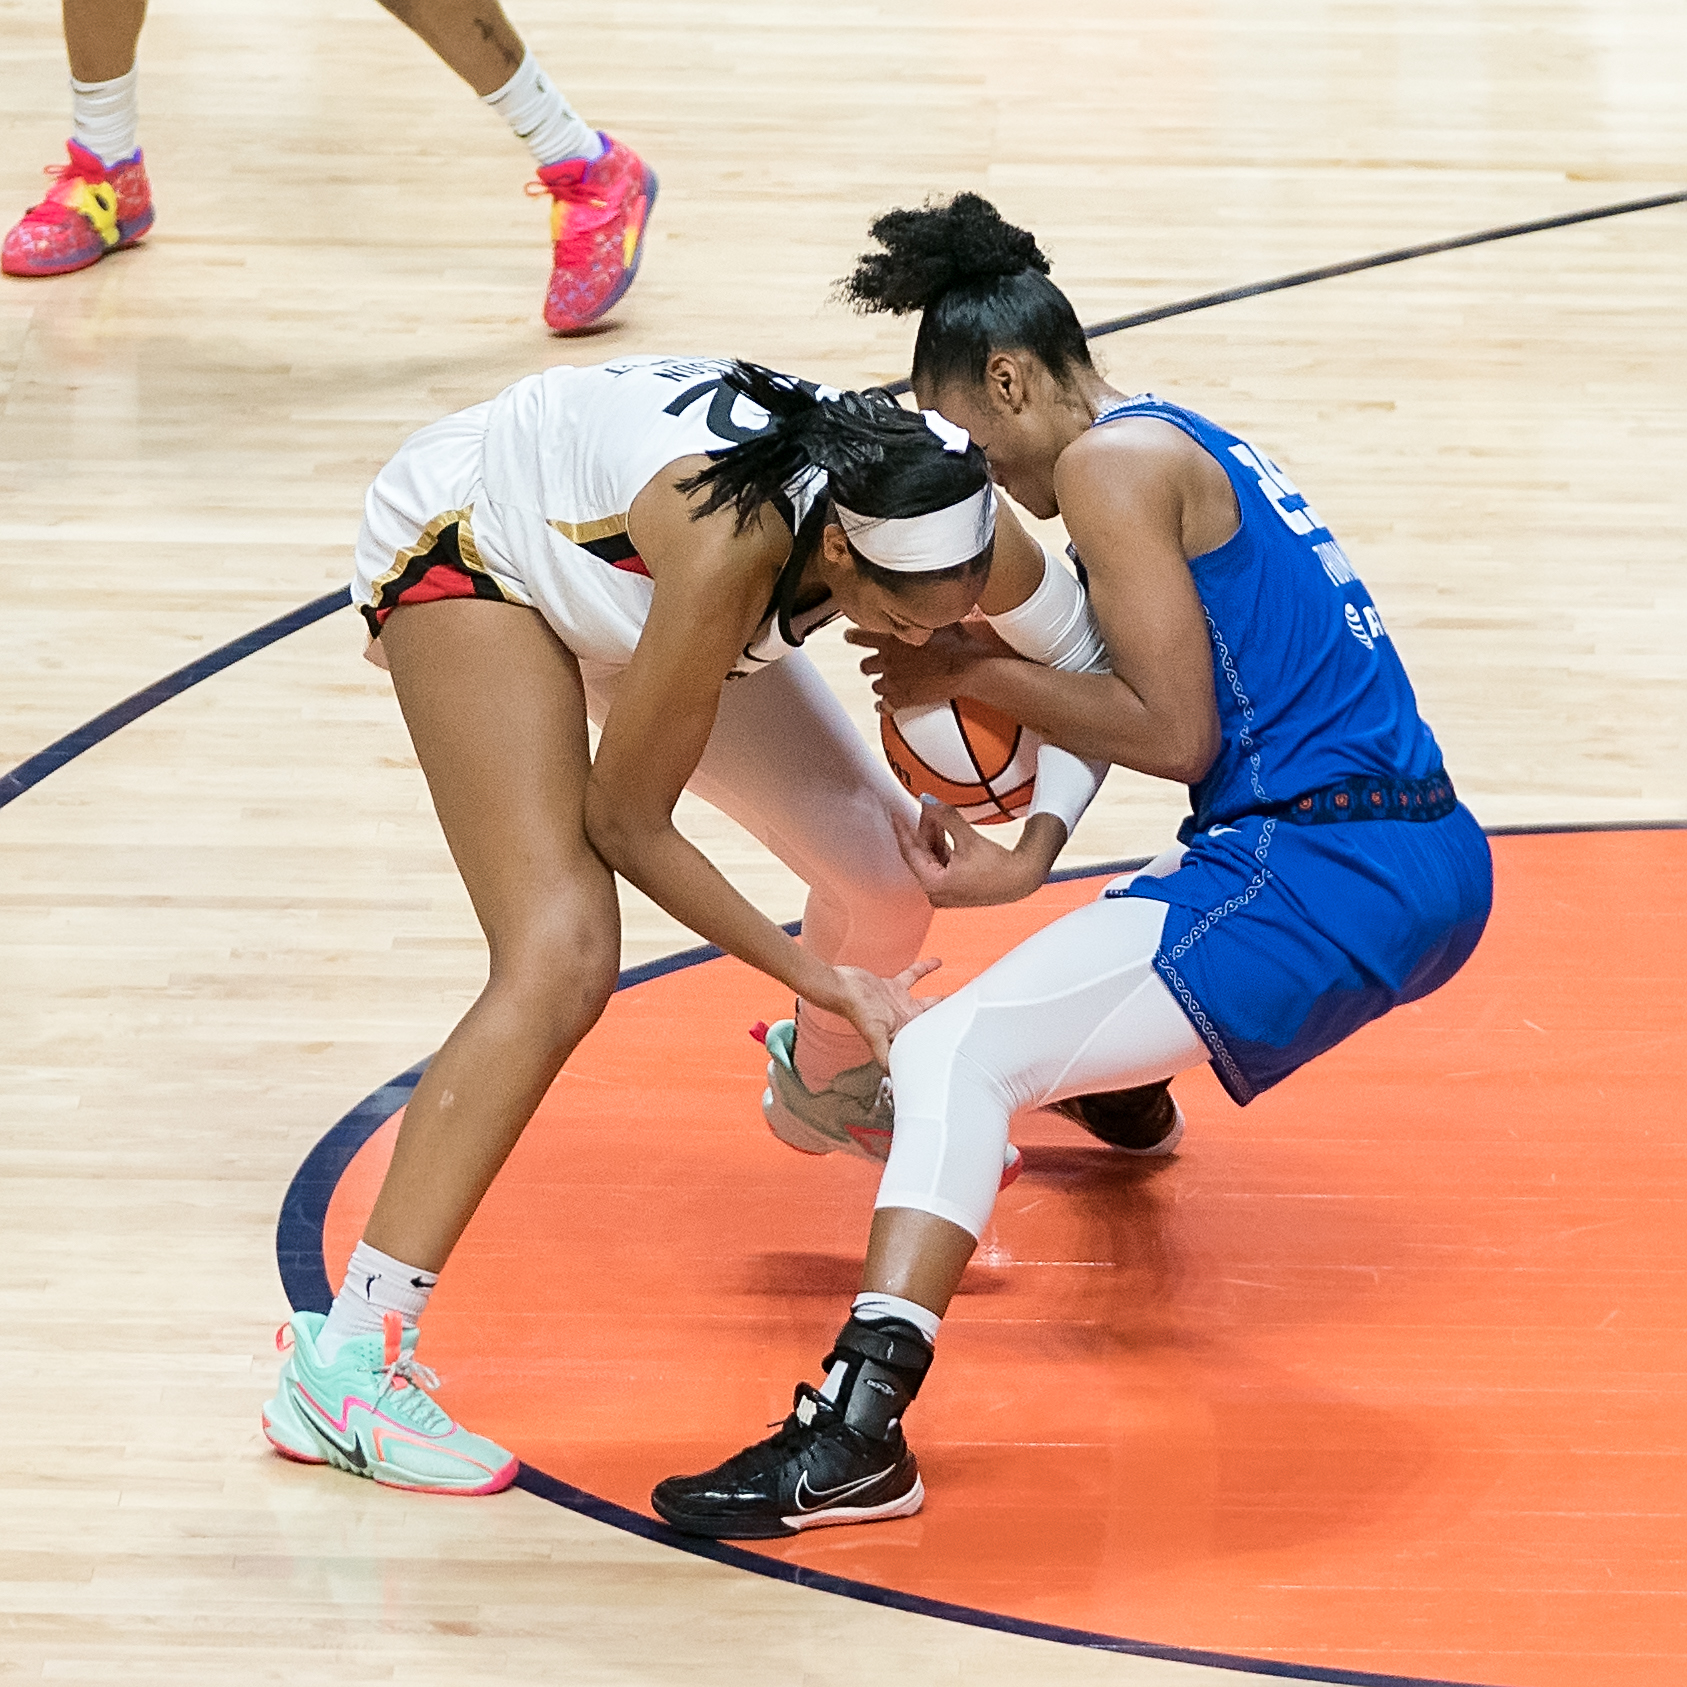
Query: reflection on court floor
{"points": [[1382, 1373]]}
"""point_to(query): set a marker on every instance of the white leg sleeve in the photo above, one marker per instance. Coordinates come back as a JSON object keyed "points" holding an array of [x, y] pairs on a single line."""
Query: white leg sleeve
{"points": [[1074, 1010], [787, 763]]}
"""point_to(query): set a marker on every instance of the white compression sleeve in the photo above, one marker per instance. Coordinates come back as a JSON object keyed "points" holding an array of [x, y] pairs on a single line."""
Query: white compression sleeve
{"points": [[1055, 624], [1066, 785], [1077, 1008], [1057, 627]]}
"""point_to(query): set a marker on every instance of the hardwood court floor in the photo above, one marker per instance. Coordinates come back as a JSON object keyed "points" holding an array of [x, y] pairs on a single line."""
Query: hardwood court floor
{"points": [[228, 923]]}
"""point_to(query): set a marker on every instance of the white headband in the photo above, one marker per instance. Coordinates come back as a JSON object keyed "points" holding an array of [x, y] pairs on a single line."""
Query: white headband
{"points": [[922, 544]]}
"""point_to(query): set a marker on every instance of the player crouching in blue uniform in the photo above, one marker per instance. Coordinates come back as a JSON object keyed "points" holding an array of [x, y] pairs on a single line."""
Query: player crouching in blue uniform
{"points": [[1326, 872]]}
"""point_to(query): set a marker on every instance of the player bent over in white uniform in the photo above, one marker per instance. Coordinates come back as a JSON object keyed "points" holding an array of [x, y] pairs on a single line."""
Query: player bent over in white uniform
{"points": [[567, 551]]}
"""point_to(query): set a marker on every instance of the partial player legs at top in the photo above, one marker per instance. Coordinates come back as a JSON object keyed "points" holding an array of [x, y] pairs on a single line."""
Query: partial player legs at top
{"points": [[100, 37], [101, 201], [601, 191]]}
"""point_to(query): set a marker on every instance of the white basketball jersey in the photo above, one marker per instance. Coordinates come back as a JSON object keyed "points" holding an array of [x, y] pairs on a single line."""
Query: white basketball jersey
{"points": [[567, 451]]}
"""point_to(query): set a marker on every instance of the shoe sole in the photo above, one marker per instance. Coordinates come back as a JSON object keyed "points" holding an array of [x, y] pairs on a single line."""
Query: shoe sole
{"points": [[495, 1484], [286, 1451], [781, 1528]]}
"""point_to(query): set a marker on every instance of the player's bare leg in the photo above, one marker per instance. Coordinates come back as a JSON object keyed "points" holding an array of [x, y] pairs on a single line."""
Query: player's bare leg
{"points": [[474, 37], [100, 37], [497, 714], [601, 191]]}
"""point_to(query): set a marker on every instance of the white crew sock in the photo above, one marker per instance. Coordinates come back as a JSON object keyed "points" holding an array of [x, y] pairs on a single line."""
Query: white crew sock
{"points": [[375, 1285], [534, 107], [873, 1308], [105, 116], [827, 1044]]}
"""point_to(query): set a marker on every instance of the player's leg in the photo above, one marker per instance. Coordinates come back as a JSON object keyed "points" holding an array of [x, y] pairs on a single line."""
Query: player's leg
{"points": [[601, 191], [496, 711], [100, 201], [787, 763], [1075, 1009], [100, 37]]}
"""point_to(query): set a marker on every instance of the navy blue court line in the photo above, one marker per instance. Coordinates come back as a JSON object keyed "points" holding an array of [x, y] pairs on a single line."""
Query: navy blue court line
{"points": [[1353, 266], [820, 1581], [49, 760], [1399, 255], [31, 772], [298, 1253]]}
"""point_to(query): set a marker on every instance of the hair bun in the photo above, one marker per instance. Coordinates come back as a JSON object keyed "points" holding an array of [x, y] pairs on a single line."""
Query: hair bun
{"points": [[940, 246]]}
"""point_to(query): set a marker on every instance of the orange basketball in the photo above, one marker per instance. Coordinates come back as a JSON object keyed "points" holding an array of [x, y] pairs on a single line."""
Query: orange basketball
{"points": [[965, 754]]}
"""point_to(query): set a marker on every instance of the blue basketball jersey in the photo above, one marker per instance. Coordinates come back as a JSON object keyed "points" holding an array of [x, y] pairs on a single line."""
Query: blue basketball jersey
{"points": [[1282, 938], [1310, 690]]}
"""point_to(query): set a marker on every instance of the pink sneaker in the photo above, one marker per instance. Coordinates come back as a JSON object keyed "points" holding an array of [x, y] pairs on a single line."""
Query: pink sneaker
{"points": [[598, 218], [91, 209]]}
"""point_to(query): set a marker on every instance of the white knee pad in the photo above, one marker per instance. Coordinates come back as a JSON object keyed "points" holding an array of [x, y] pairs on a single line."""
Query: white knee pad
{"points": [[1075, 1010], [951, 1121]]}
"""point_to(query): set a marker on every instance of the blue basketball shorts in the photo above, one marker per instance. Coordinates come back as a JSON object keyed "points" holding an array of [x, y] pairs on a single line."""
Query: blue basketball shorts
{"points": [[1281, 940]]}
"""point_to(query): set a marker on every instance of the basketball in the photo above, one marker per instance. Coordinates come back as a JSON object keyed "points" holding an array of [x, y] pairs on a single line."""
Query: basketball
{"points": [[974, 758]]}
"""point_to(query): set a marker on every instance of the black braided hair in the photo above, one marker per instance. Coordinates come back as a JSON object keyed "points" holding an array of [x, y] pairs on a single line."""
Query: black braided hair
{"points": [[879, 459], [981, 285]]}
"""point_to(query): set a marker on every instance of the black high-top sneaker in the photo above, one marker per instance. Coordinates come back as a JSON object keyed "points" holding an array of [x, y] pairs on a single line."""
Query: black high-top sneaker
{"points": [[831, 1461], [1145, 1120]]}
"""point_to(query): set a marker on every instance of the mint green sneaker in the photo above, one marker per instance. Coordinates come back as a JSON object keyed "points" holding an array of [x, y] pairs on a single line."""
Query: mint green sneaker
{"points": [[369, 1412], [854, 1114]]}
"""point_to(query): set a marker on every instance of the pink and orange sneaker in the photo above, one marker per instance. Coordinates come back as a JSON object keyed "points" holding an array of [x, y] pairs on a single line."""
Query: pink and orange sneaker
{"points": [[91, 209], [598, 215]]}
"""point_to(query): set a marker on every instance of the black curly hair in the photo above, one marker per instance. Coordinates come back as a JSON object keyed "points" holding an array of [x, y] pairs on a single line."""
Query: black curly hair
{"points": [[980, 283], [879, 460]]}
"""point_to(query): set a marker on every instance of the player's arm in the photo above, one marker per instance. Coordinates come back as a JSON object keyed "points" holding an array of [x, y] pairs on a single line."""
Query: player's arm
{"points": [[1123, 493], [712, 585]]}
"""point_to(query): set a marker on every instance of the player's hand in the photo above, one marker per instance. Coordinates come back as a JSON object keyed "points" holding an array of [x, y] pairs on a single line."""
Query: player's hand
{"points": [[907, 674], [879, 1007], [958, 868]]}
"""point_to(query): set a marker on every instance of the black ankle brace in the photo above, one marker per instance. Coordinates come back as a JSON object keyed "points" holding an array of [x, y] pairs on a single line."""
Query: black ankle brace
{"points": [[887, 1362]]}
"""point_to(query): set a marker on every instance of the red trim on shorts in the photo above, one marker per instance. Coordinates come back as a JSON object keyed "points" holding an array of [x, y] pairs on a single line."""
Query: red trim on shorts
{"points": [[443, 580]]}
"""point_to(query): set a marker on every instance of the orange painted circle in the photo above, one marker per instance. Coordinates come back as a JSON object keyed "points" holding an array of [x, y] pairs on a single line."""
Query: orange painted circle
{"points": [[1381, 1373]]}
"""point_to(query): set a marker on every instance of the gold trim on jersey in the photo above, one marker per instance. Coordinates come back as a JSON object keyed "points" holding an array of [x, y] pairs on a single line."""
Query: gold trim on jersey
{"points": [[584, 532], [425, 542], [467, 550]]}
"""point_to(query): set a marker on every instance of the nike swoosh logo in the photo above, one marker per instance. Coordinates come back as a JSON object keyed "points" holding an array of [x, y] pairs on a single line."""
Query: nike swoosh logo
{"points": [[823, 1497], [351, 1449]]}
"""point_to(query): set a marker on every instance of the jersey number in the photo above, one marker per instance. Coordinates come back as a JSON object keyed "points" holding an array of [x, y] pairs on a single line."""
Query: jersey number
{"points": [[722, 399], [1285, 496]]}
